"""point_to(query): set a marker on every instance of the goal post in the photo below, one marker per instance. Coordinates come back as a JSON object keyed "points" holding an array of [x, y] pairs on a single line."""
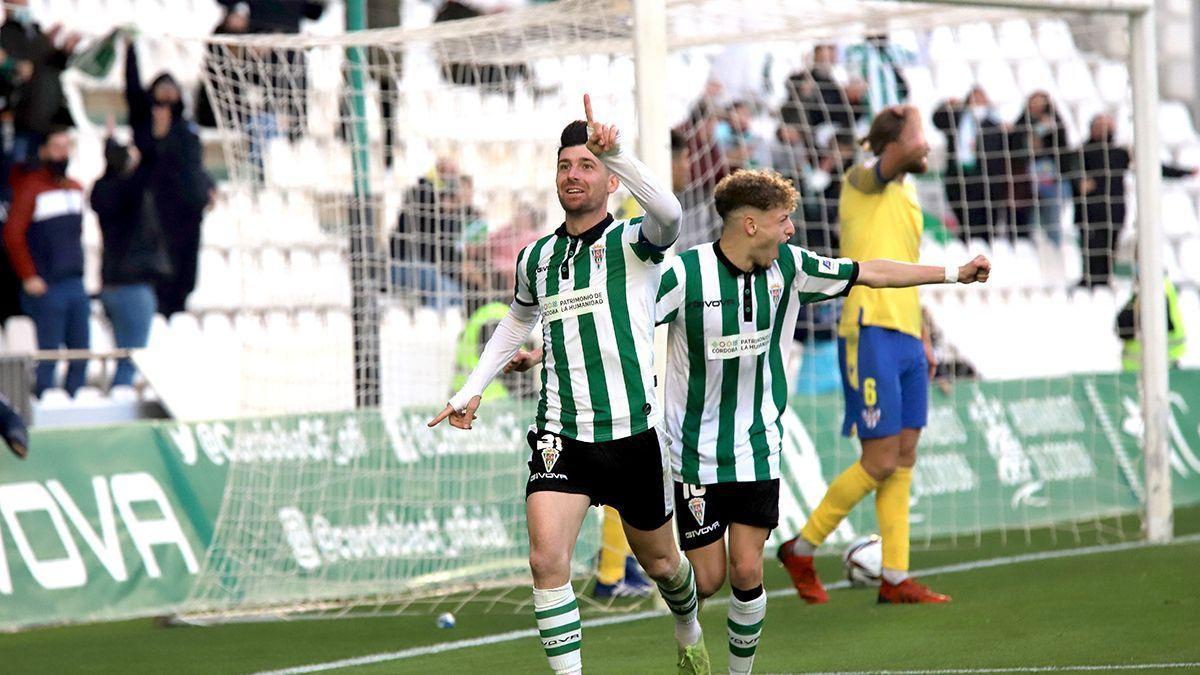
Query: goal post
{"points": [[371, 274]]}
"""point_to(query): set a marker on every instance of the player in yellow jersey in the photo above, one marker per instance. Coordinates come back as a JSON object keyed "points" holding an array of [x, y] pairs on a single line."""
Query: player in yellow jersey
{"points": [[886, 361]]}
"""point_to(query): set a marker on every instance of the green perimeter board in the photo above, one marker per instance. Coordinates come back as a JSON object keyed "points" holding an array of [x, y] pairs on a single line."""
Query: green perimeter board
{"points": [[112, 522]]}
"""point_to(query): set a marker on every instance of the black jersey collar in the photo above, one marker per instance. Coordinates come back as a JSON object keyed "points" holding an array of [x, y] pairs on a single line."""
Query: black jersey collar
{"points": [[590, 235], [733, 269]]}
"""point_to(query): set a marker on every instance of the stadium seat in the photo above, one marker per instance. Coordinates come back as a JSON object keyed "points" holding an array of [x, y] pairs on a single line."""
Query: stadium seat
{"points": [[1112, 82], [20, 335], [1055, 42], [1189, 306], [953, 78], [997, 77], [1189, 258], [943, 46], [123, 393], [1016, 40], [1075, 82], [55, 398], [1179, 212], [1175, 124], [977, 42], [1035, 75]]}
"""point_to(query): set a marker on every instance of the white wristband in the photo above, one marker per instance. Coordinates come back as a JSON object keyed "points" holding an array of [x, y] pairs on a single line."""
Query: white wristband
{"points": [[951, 274]]}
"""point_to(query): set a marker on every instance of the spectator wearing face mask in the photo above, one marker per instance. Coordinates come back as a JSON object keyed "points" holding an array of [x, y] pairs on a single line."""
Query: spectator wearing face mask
{"points": [[1097, 170], [182, 190], [134, 255], [37, 101], [43, 236], [976, 176]]}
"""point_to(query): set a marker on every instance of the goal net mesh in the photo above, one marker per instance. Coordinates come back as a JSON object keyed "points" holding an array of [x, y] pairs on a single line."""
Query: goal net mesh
{"points": [[383, 183]]}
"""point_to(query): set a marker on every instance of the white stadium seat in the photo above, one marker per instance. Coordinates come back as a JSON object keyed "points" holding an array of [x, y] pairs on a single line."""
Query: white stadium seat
{"points": [[1175, 124], [1112, 82]]}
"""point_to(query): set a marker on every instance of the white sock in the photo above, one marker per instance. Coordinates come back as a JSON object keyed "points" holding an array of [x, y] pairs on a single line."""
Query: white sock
{"points": [[803, 547], [744, 628], [557, 616], [680, 594], [894, 577]]}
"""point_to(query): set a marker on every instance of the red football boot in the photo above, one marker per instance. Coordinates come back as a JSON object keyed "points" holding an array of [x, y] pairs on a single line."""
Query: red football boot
{"points": [[908, 592], [804, 575]]}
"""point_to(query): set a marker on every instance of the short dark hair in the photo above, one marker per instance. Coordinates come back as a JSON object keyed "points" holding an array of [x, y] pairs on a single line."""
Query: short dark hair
{"points": [[54, 131], [886, 128], [575, 133], [762, 189], [678, 141]]}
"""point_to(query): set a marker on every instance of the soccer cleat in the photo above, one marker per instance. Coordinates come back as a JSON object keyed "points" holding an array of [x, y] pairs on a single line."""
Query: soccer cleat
{"points": [[693, 660], [803, 573], [908, 592], [621, 589]]}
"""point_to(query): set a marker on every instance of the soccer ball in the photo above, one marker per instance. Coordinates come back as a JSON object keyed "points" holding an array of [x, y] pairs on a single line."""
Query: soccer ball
{"points": [[863, 561], [445, 620]]}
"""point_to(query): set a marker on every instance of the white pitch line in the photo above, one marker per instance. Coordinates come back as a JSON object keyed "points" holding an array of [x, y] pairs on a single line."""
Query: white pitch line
{"points": [[510, 636], [1024, 669]]}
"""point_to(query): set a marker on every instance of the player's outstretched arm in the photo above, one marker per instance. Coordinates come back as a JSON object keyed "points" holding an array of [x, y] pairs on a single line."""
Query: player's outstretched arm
{"points": [[664, 215], [892, 274], [499, 352]]}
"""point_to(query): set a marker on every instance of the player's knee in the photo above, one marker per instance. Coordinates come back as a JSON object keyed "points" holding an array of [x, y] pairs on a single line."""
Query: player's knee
{"points": [[745, 573], [549, 566], [659, 566], [709, 582], [880, 466]]}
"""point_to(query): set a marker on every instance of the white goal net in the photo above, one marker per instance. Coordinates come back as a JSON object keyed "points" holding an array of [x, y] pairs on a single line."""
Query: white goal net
{"points": [[384, 182]]}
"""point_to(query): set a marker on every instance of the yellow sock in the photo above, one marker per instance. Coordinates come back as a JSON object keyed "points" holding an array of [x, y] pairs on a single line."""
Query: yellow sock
{"points": [[614, 548], [891, 509], [844, 492]]}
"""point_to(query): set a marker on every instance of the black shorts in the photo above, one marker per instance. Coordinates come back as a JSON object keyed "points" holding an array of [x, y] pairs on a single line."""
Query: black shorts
{"points": [[704, 512], [629, 474]]}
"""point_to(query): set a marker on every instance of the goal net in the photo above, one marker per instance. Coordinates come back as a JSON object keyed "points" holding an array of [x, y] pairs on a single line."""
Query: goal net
{"points": [[382, 184]]}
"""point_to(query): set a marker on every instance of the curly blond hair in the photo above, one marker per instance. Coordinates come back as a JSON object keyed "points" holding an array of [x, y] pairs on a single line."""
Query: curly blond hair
{"points": [[762, 189]]}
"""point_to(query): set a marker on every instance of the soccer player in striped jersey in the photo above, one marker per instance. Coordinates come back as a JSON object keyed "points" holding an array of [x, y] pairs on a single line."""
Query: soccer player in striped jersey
{"points": [[594, 440], [731, 307], [885, 367]]}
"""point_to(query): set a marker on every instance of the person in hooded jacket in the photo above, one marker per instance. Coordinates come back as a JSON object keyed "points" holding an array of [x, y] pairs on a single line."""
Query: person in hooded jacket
{"points": [[44, 238], [134, 255], [181, 189]]}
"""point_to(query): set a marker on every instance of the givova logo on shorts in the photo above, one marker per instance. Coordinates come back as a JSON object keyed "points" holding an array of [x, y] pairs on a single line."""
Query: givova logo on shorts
{"points": [[551, 448]]}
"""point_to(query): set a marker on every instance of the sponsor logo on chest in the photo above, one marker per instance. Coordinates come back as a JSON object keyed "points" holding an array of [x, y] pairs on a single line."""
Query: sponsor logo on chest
{"points": [[574, 303], [736, 346]]}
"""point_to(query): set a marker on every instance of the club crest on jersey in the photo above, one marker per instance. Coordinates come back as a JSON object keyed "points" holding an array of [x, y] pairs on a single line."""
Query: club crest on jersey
{"points": [[776, 293], [696, 506], [551, 448], [598, 255], [871, 417]]}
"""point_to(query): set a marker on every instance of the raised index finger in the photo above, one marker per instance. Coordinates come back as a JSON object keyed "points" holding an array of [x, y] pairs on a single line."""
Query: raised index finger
{"points": [[587, 108]]}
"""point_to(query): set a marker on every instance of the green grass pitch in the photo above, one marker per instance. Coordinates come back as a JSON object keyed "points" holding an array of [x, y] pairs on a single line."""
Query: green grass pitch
{"points": [[1120, 608]]}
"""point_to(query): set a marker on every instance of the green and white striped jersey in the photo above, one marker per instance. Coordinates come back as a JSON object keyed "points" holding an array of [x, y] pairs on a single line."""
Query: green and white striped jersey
{"points": [[596, 293], [730, 333]]}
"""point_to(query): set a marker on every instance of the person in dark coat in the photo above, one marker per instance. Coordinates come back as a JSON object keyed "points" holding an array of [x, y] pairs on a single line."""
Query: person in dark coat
{"points": [[271, 16], [135, 258], [977, 168], [1097, 170], [1039, 148], [180, 187], [36, 100]]}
